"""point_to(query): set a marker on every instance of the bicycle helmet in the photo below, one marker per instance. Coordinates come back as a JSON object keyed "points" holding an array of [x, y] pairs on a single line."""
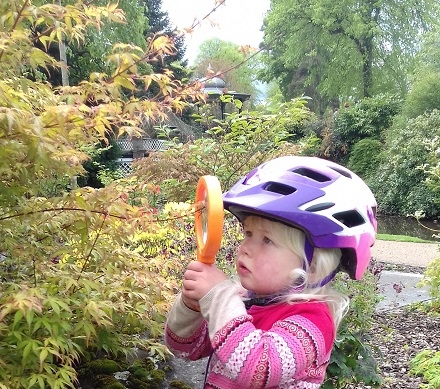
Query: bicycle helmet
{"points": [[328, 202]]}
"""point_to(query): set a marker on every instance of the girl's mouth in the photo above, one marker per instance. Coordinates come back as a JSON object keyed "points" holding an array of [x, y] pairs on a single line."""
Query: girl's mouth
{"points": [[242, 269]]}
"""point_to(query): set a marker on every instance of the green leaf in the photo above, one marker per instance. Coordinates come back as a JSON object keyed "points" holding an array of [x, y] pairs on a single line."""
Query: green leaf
{"points": [[44, 352], [17, 318]]}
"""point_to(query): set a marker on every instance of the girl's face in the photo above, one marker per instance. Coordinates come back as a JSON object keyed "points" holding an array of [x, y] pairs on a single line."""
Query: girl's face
{"points": [[263, 262]]}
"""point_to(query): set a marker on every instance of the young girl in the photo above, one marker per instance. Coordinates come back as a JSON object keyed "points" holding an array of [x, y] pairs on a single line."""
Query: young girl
{"points": [[304, 219]]}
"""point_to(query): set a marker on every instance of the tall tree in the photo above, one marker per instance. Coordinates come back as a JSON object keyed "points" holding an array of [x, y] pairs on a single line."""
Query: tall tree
{"points": [[233, 63], [348, 48], [159, 23], [424, 95], [90, 56]]}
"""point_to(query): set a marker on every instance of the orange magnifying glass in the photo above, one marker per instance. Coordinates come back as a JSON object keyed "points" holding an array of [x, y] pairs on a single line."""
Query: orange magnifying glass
{"points": [[208, 218]]}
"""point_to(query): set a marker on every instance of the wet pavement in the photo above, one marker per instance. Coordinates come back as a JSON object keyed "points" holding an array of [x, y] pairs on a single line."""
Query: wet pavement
{"points": [[399, 289]]}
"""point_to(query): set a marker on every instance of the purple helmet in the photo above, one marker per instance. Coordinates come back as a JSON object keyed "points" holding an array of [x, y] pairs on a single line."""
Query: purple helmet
{"points": [[328, 202]]}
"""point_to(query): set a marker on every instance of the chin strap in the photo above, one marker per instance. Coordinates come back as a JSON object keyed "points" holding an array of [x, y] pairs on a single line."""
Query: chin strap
{"points": [[269, 300], [309, 250], [326, 280], [259, 301]]}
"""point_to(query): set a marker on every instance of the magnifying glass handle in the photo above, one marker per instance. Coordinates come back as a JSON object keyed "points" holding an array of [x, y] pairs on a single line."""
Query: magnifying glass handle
{"points": [[208, 219]]}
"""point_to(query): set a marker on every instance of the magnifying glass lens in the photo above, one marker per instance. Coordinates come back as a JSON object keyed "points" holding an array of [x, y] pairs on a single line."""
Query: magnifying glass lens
{"points": [[204, 217], [205, 226]]}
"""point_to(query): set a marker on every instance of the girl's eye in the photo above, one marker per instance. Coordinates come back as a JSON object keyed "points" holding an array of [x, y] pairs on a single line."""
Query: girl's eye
{"points": [[266, 240], [247, 234]]}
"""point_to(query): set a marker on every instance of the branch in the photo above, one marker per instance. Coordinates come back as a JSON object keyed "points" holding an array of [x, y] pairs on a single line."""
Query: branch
{"points": [[199, 22], [87, 259], [106, 214]]}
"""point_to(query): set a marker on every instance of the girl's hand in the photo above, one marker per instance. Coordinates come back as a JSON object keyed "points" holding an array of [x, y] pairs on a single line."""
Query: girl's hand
{"points": [[198, 280]]}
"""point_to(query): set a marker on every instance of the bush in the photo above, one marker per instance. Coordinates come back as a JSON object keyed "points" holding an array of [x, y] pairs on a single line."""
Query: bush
{"points": [[431, 279], [427, 365], [72, 286], [400, 182], [352, 358], [366, 119], [365, 157], [424, 95], [229, 150], [84, 292]]}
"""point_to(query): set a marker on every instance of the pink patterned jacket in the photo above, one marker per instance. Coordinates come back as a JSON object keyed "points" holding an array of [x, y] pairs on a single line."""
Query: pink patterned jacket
{"points": [[274, 346]]}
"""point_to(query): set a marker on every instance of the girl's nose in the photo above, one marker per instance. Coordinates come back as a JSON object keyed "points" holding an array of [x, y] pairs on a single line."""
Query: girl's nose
{"points": [[245, 247]]}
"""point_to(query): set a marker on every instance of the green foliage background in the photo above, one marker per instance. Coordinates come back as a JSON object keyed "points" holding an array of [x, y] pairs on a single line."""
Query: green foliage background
{"points": [[400, 182], [230, 149]]}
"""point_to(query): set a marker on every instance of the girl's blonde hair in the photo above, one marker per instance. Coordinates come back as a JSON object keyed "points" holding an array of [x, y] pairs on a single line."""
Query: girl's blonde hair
{"points": [[307, 279]]}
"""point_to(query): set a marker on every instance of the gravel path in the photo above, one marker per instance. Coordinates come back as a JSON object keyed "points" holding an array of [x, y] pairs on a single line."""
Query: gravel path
{"points": [[405, 253], [397, 337]]}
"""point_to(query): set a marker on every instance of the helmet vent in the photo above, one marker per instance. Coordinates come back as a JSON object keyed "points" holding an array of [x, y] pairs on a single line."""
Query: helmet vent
{"points": [[313, 175], [350, 218], [320, 207], [279, 188], [342, 172]]}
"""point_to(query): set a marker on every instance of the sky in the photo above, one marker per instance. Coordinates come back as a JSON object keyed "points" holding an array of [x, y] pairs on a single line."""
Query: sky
{"points": [[237, 21]]}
